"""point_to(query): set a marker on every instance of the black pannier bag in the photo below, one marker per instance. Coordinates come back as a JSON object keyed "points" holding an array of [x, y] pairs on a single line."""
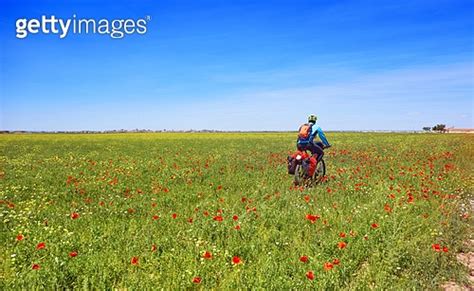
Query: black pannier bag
{"points": [[291, 165]]}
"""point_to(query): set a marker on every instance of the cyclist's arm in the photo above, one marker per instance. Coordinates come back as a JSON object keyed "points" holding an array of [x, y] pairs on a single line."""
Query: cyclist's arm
{"points": [[322, 136]]}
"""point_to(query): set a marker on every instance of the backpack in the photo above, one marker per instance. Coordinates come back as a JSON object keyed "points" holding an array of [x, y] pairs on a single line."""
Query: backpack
{"points": [[305, 131]]}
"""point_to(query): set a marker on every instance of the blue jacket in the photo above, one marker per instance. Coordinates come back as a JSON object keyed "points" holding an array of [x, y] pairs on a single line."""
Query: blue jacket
{"points": [[315, 130]]}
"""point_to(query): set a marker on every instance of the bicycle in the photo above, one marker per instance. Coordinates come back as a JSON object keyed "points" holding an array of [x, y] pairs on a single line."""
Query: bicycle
{"points": [[301, 177]]}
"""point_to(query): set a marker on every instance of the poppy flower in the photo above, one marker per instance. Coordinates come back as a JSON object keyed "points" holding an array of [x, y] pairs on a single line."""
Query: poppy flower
{"points": [[153, 248], [304, 259], [134, 261], [342, 234], [218, 218], [336, 262], [155, 217], [307, 198], [40, 246], [197, 280], [207, 255], [328, 266], [235, 217], [436, 247], [445, 249], [35, 267], [310, 275], [341, 245], [19, 237], [236, 260], [75, 215], [190, 220], [374, 225], [73, 254], [237, 227], [312, 218], [174, 215]]}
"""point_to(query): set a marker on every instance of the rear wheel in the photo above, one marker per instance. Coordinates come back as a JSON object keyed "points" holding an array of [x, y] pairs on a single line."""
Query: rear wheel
{"points": [[320, 172], [299, 175]]}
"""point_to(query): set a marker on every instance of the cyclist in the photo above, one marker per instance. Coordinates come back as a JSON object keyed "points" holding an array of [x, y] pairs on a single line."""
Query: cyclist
{"points": [[307, 133]]}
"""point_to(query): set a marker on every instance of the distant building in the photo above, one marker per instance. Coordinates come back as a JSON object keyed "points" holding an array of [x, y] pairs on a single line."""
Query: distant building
{"points": [[459, 130]]}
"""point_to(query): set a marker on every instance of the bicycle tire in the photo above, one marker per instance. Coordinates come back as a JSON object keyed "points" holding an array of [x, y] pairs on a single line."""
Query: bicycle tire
{"points": [[320, 172]]}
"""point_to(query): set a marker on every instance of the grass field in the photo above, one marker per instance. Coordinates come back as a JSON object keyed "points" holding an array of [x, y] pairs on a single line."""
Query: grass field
{"points": [[219, 211]]}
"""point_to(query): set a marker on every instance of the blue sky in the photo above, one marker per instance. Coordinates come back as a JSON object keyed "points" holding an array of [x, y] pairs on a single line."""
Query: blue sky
{"points": [[242, 65]]}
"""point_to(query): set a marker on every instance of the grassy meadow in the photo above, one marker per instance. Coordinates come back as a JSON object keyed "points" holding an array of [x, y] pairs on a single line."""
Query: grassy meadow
{"points": [[218, 211]]}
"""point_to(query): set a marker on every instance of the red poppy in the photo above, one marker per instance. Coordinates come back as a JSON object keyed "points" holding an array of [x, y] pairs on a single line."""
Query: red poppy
{"points": [[310, 275], [328, 266], [304, 259], [40, 246], [307, 198], [74, 215], [342, 234], [219, 187], [336, 261], [19, 237], [190, 220], [206, 213], [134, 261], [153, 248], [207, 255], [312, 218], [73, 254], [236, 260], [235, 217], [174, 215], [36, 267], [197, 280], [374, 225], [387, 208], [341, 245], [436, 247], [218, 218], [155, 217], [237, 227]]}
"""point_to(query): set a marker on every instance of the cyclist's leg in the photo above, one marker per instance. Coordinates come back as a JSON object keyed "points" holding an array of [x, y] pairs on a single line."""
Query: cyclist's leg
{"points": [[300, 147], [317, 148]]}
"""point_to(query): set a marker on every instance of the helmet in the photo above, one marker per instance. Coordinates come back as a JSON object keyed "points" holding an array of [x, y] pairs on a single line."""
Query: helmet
{"points": [[312, 118]]}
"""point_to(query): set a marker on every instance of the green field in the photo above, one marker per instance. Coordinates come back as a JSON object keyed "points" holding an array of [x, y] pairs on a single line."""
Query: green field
{"points": [[141, 210]]}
